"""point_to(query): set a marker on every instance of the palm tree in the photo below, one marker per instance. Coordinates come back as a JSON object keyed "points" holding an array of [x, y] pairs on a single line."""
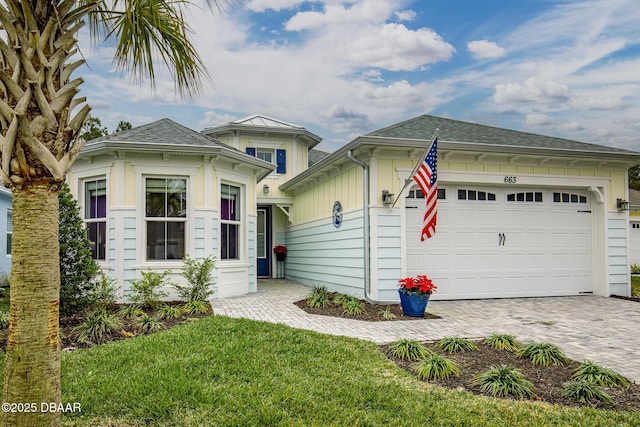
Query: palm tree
{"points": [[41, 117]]}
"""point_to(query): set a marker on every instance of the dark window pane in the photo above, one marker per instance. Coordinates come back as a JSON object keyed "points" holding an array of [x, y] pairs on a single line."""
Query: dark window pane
{"points": [[538, 196], [419, 194], [155, 240], [565, 198], [97, 234], [556, 197], [583, 199], [529, 197], [471, 194], [574, 198], [229, 237], [95, 199], [492, 197], [442, 193], [520, 197], [482, 195], [462, 194], [155, 204], [229, 202], [511, 197], [175, 240]]}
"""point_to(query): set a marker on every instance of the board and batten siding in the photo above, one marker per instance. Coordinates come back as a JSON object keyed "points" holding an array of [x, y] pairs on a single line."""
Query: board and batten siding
{"points": [[318, 253], [618, 260], [386, 254]]}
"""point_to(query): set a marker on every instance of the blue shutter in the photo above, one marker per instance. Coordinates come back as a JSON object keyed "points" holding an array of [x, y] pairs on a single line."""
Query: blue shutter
{"points": [[251, 151], [281, 161]]}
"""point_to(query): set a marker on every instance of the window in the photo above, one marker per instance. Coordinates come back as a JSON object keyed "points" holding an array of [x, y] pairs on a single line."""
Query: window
{"points": [[569, 198], [418, 194], [635, 225], [266, 154], [527, 197], [165, 217], [230, 221], [95, 216], [9, 230], [464, 194]]}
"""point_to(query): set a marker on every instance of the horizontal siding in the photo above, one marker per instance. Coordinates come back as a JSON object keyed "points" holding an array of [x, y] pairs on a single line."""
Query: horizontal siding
{"points": [[618, 261], [324, 255], [199, 241], [129, 248]]}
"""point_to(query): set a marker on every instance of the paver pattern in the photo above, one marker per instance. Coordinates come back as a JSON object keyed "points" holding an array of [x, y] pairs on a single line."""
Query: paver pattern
{"points": [[601, 329]]}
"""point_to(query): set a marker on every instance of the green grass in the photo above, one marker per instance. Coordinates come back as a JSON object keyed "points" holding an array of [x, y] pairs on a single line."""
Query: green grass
{"points": [[635, 286], [220, 371]]}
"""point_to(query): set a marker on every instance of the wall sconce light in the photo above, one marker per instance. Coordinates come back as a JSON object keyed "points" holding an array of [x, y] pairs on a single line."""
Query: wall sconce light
{"points": [[387, 198], [623, 205], [265, 189]]}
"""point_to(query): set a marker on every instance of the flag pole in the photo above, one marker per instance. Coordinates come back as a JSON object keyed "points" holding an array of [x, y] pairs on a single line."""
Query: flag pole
{"points": [[408, 180]]}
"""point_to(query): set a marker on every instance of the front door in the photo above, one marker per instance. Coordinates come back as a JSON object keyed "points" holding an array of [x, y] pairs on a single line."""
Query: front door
{"points": [[263, 241]]}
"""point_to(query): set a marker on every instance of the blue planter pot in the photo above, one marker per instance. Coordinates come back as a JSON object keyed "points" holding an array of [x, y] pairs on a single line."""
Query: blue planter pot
{"points": [[413, 305]]}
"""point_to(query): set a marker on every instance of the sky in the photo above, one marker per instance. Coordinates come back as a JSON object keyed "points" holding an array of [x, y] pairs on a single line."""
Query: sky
{"points": [[341, 69]]}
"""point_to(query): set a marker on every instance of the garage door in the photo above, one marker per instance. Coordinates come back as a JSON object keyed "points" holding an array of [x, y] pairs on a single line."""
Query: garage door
{"points": [[634, 247], [503, 242]]}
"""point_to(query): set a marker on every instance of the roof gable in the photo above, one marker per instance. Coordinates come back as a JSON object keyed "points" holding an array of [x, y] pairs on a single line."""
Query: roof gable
{"points": [[264, 121], [456, 131]]}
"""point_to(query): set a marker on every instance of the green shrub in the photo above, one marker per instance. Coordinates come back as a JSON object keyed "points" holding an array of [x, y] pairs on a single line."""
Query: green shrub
{"points": [[436, 367], [196, 307], [103, 291], [543, 354], [502, 342], [97, 327], [77, 266], [130, 310], [169, 312], [148, 324], [342, 299], [584, 392], [146, 290], [455, 344], [635, 269], [199, 275], [504, 380], [4, 319], [353, 307], [591, 372], [318, 297], [408, 349], [387, 314]]}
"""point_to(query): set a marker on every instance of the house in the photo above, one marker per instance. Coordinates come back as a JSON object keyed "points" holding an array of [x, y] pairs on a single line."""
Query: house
{"points": [[155, 193], [519, 214], [634, 227], [7, 229]]}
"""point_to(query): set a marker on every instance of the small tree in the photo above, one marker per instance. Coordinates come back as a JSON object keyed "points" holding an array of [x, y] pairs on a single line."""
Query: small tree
{"points": [[199, 274], [77, 266], [146, 290]]}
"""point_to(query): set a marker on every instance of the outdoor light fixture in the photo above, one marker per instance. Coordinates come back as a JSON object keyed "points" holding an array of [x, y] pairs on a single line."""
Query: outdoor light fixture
{"points": [[623, 205], [387, 198], [265, 189]]}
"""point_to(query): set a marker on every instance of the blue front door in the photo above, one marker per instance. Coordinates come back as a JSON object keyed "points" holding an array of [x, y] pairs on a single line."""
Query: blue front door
{"points": [[263, 241]]}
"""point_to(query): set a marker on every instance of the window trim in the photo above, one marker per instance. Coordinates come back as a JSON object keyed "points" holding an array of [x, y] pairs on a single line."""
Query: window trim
{"points": [[241, 206], [165, 219], [101, 220]]}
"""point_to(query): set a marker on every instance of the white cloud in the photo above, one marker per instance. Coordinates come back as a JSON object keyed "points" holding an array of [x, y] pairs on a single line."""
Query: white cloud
{"points": [[276, 5], [484, 49], [406, 15], [537, 120], [333, 15], [533, 90]]}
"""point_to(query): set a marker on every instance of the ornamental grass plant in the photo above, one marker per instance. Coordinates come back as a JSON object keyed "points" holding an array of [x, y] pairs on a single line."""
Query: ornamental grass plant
{"points": [[408, 349]]}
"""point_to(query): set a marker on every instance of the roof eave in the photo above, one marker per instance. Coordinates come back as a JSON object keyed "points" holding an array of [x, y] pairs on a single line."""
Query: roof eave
{"points": [[230, 127]]}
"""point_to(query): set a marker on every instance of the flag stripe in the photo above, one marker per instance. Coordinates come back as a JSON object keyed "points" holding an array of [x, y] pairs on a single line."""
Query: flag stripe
{"points": [[427, 179]]}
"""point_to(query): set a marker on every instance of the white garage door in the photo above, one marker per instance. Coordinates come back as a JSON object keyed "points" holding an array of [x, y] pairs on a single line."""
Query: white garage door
{"points": [[634, 247], [503, 242]]}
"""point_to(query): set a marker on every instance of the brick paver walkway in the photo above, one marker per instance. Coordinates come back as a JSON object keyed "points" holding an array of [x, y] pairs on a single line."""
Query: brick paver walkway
{"points": [[604, 330]]}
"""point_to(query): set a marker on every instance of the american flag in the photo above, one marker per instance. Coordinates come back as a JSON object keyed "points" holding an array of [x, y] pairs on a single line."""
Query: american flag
{"points": [[427, 178]]}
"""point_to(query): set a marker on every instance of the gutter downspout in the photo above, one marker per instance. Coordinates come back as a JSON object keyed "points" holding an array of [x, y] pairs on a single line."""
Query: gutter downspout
{"points": [[366, 231]]}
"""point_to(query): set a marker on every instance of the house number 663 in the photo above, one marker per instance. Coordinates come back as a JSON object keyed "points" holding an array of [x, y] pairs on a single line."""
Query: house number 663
{"points": [[510, 179]]}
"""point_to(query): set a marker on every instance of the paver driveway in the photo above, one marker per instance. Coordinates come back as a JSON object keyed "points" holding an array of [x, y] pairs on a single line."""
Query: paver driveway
{"points": [[601, 329]]}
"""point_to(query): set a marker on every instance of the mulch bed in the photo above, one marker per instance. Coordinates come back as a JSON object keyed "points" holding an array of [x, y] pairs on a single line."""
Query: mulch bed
{"points": [[372, 312], [129, 328], [547, 380], [633, 298]]}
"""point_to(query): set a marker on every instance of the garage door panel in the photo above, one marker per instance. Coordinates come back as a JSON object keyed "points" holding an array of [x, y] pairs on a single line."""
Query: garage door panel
{"points": [[546, 249]]}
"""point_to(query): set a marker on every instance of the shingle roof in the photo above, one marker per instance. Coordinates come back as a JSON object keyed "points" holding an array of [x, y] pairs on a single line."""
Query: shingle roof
{"points": [[315, 156], [163, 131], [634, 197], [457, 131]]}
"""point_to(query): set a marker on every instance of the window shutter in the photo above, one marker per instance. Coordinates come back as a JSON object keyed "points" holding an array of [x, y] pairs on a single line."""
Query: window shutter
{"points": [[251, 151], [281, 161]]}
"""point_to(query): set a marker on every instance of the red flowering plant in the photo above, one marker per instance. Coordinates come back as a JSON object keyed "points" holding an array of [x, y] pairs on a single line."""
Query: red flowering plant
{"points": [[420, 285], [280, 249]]}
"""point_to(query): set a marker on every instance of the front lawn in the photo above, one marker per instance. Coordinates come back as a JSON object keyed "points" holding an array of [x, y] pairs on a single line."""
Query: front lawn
{"points": [[223, 371]]}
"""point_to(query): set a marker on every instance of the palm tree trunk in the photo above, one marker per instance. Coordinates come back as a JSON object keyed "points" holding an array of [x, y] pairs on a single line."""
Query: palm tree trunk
{"points": [[32, 370]]}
